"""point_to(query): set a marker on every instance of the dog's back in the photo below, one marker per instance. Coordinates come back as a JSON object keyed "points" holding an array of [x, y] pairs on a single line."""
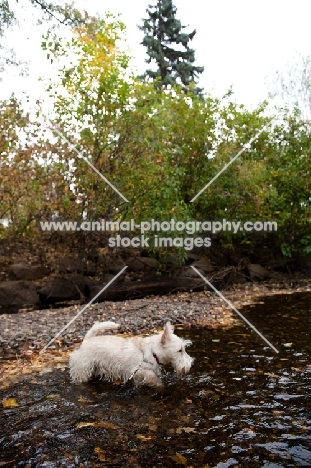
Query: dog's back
{"points": [[106, 356]]}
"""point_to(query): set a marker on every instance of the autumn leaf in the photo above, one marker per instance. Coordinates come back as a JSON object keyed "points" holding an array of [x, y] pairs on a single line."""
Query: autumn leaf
{"points": [[179, 458], [10, 403], [97, 424], [185, 429], [106, 425], [144, 438], [84, 424], [100, 454]]}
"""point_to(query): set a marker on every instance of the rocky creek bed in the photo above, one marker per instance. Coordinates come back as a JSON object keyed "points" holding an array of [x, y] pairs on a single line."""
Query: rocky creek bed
{"points": [[25, 333], [241, 405]]}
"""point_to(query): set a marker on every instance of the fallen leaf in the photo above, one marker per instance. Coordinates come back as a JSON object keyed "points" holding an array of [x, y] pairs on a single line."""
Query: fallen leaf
{"points": [[84, 424], [97, 424], [10, 403], [185, 429], [179, 458], [189, 429], [144, 438], [106, 425], [100, 454], [271, 375]]}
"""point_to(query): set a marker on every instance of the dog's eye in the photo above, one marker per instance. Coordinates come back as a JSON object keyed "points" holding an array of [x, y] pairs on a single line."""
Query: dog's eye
{"points": [[180, 351]]}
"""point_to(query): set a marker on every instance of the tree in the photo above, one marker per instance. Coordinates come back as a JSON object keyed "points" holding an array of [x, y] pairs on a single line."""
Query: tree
{"points": [[163, 39], [55, 16], [94, 92], [7, 19], [6, 16], [34, 173]]}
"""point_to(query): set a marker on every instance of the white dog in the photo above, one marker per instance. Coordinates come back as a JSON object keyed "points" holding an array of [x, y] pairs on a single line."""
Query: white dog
{"points": [[115, 358]]}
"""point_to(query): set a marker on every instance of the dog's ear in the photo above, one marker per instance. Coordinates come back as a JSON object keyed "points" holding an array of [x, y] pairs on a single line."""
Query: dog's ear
{"points": [[167, 333]]}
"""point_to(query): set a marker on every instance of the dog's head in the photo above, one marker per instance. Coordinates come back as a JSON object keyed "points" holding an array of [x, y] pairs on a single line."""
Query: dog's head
{"points": [[172, 351]]}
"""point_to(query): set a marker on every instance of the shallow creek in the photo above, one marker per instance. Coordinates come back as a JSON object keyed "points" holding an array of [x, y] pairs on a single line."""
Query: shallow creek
{"points": [[242, 405]]}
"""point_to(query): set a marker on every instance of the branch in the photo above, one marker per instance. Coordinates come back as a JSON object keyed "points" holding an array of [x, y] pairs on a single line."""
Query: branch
{"points": [[47, 10]]}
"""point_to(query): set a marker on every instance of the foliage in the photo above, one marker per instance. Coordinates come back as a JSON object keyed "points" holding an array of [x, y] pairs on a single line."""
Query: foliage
{"points": [[6, 16], [33, 173], [7, 19], [289, 166], [56, 16], [63, 13], [168, 46], [94, 93], [159, 147]]}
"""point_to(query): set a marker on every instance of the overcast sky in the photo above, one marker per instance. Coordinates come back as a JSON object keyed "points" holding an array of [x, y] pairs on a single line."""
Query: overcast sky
{"points": [[238, 42]]}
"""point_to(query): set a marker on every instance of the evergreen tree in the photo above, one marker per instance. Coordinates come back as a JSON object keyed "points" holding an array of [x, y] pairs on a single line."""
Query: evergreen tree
{"points": [[168, 46]]}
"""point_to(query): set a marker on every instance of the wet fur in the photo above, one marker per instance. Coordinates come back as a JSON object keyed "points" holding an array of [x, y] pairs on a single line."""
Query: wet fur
{"points": [[113, 358]]}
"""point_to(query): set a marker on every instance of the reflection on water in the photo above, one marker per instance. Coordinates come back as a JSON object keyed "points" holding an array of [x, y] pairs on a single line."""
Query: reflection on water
{"points": [[264, 415], [242, 405]]}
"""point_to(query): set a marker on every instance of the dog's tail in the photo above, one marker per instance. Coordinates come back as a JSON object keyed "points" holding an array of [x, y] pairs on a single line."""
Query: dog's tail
{"points": [[100, 326]]}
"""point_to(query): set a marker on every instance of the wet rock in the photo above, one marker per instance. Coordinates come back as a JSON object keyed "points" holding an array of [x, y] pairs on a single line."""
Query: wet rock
{"points": [[204, 264], [146, 287], [141, 264], [24, 271], [257, 272], [190, 273], [18, 294], [61, 289]]}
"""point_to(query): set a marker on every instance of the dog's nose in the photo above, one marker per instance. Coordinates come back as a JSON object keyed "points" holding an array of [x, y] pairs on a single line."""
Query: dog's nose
{"points": [[181, 371]]}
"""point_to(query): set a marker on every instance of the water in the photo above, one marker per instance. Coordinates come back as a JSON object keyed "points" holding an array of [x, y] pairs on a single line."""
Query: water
{"points": [[242, 405]]}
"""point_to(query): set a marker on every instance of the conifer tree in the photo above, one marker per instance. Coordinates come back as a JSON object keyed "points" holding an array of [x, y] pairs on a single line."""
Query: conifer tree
{"points": [[168, 46]]}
